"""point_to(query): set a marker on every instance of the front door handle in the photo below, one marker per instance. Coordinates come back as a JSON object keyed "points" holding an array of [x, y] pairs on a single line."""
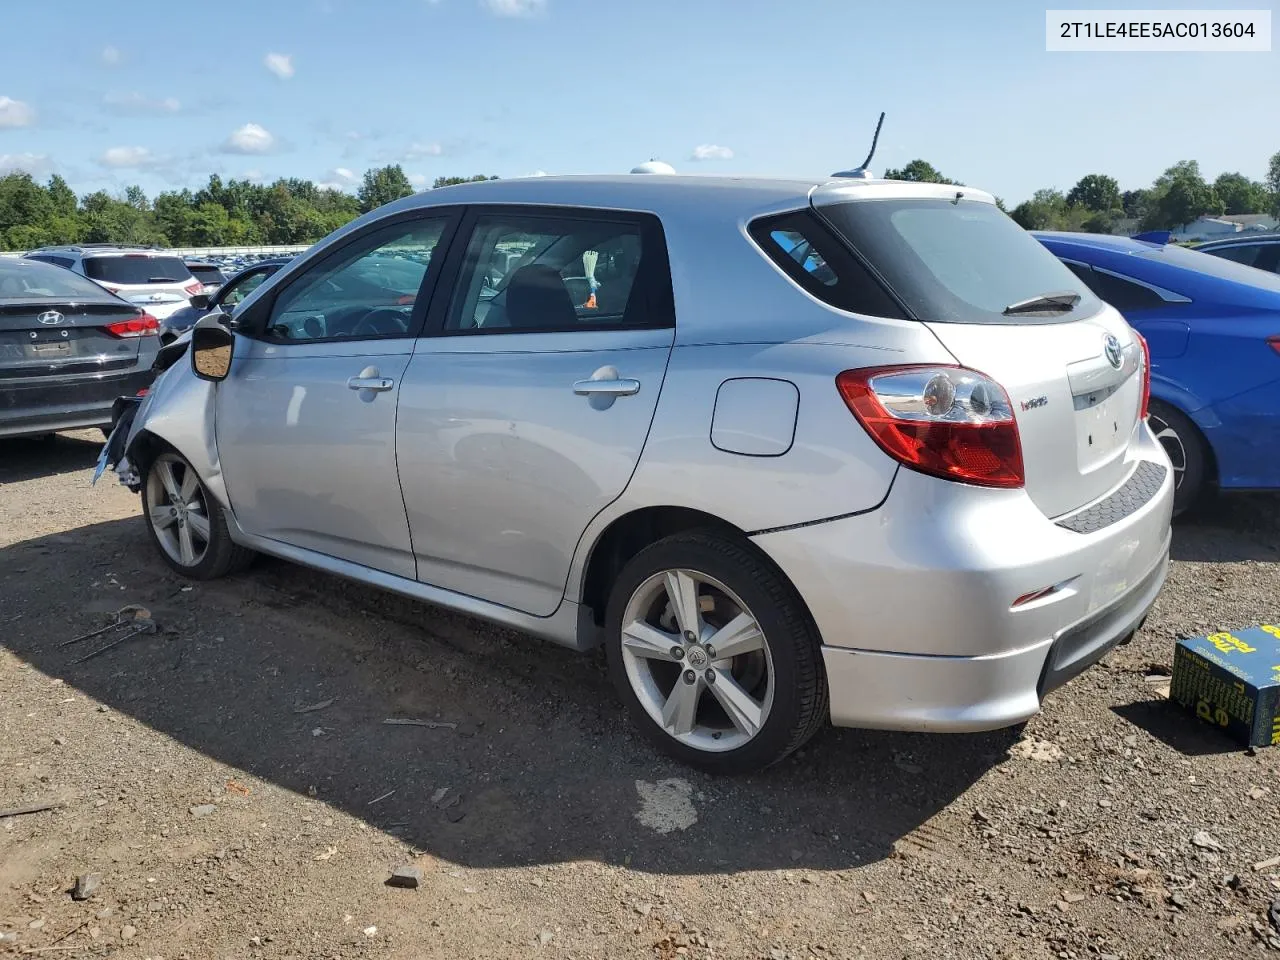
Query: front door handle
{"points": [[621, 387], [373, 384]]}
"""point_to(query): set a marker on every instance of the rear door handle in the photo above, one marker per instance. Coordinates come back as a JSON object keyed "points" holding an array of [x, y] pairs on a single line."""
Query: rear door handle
{"points": [[375, 384], [612, 388]]}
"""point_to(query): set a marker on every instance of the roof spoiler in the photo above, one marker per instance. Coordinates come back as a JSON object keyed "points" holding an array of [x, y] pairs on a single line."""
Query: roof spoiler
{"points": [[1161, 237]]}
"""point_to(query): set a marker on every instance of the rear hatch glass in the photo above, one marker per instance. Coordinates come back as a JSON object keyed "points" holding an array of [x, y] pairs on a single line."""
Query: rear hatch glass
{"points": [[1003, 305], [207, 275], [137, 269]]}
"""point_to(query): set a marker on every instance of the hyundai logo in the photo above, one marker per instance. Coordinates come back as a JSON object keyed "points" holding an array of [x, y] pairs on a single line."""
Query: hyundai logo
{"points": [[1115, 355], [50, 318]]}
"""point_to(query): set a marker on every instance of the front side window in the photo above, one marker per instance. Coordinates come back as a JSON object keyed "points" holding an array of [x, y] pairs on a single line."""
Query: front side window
{"points": [[538, 274], [367, 290], [234, 293], [961, 261]]}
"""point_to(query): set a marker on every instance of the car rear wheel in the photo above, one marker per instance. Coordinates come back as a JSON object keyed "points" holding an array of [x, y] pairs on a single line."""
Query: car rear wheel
{"points": [[1185, 448], [714, 655], [186, 522]]}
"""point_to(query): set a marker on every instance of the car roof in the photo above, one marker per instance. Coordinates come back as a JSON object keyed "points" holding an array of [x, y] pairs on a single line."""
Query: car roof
{"points": [[1238, 240], [659, 193]]}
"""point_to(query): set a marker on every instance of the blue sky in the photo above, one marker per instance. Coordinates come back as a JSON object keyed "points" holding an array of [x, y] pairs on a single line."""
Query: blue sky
{"points": [[162, 94]]}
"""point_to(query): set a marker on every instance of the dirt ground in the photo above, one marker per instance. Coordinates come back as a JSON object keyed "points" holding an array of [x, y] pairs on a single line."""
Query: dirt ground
{"points": [[232, 784]]}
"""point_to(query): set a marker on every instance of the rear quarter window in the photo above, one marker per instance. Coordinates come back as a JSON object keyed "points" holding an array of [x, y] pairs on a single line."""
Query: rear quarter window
{"points": [[817, 261], [137, 269]]}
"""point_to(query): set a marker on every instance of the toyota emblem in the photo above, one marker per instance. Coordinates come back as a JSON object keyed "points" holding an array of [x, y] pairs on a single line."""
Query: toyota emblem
{"points": [[50, 318], [1115, 354]]}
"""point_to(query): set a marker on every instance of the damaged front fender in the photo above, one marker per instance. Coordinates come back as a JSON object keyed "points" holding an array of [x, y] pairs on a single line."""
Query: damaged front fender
{"points": [[177, 413]]}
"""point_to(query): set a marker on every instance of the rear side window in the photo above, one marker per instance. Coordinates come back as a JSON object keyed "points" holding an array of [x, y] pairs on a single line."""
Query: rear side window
{"points": [[1242, 254], [207, 274], [49, 258], [30, 279], [1124, 294], [137, 269], [585, 270], [957, 261], [818, 261]]}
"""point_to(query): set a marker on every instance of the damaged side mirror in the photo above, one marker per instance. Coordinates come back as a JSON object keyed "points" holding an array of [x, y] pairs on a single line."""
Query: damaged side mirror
{"points": [[211, 348]]}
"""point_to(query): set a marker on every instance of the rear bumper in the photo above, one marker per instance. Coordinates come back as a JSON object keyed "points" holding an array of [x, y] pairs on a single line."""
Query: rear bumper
{"points": [[964, 694], [917, 602], [71, 403]]}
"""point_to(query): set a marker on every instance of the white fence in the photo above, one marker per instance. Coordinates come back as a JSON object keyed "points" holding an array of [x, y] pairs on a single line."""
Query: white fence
{"points": [[198, 253]]}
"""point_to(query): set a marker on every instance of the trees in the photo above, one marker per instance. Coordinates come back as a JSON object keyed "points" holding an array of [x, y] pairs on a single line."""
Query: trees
{"points": [[383, 185], [919, 171], [450, 181], [1239, 194], [1179, 196], [1096, 192], [1273, 183]]}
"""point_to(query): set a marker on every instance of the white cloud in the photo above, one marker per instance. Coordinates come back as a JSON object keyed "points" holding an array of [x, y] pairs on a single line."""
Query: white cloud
{"points": [[418, 151], [281, 64], [37, 164], [516, 8], [711, 151], [15, 113], [536, 173], [135, 103], [418, 179], [251, 138], [330, 185], [343, 173], [111, 56], [254, 175], [122, 157]]}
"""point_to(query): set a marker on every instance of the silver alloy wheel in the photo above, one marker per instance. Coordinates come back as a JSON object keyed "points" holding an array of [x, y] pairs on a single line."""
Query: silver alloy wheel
{"points": [[175, 500], [697, 660], [1173, 446]]}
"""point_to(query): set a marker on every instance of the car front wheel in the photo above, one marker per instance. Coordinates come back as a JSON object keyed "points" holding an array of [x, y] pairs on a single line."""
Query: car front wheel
{"points": [[186, 522], [714, 655]]}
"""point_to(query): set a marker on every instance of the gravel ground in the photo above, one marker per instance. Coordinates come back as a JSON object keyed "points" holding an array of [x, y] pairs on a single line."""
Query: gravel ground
{"points": [[232, 787]]}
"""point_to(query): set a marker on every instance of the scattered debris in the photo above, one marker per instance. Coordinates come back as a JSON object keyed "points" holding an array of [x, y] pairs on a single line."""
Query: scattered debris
{"points": [[1274, 913], [1205, 841], [128, 932], [439, 795], [545, 937], [329, 854], [235, 786], [317, 732], [1267, 864], [87, 885], [1043, 751], [316, 706], [381, 798], [132, 626], [204, 810], [409, 722], [407, 877], [370, 931], [34, 808], [1257, 793], [454, 812]]}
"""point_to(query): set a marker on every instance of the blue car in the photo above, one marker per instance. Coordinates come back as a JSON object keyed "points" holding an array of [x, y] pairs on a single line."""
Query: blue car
{"points": [[1213, 327]]}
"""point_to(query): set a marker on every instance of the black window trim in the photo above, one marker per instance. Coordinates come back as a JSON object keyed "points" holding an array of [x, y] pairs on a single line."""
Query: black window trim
{"points": [[658, 291], [253, 326], [759, 230]]}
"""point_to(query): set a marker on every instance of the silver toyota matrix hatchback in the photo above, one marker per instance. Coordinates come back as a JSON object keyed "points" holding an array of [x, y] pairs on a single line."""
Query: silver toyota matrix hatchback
{"points": [[792, 451]]}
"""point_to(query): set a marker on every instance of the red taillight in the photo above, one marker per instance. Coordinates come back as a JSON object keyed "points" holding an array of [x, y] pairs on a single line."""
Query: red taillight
{"points": [[194, 287], [143, 326], [143, 392], [1146, 376], [950, 422], [1274, 343]]}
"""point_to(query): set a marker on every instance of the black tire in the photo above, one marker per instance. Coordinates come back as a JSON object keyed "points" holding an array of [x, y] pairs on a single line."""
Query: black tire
{"points": [[799, 708], [221, 555], [1185, 446]]}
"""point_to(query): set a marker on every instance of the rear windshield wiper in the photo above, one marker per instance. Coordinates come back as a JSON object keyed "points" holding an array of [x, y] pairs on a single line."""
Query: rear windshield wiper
{"points": [[1045, 303], [164, 279]]}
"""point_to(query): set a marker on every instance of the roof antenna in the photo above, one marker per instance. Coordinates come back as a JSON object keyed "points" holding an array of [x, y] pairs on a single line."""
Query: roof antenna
{"points": [[861, 172]]}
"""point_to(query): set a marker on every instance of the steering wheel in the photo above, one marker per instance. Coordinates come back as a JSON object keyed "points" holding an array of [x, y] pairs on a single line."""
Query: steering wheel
{"points": [[381, 321]]}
